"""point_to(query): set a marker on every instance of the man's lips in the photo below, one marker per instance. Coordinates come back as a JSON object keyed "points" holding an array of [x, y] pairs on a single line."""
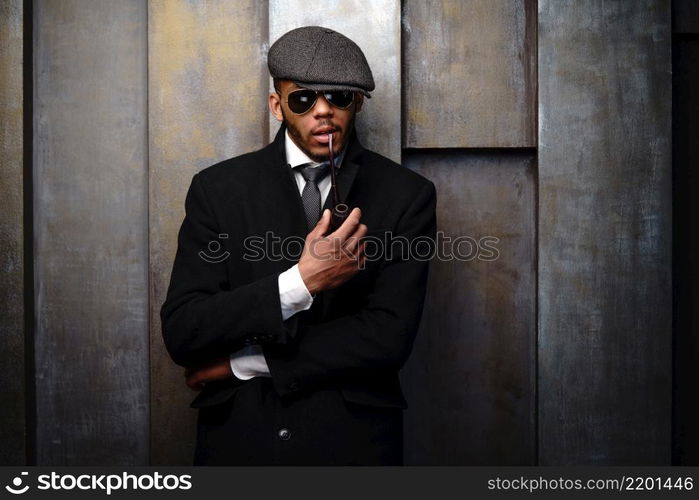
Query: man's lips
{"points": [[324, 131], [321, 134]]}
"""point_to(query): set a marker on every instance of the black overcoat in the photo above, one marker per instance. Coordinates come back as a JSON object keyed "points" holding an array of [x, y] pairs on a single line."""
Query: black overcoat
{"points": [[334, 395]]}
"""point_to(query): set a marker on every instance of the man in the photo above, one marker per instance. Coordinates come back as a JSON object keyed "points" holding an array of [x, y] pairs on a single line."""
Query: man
{"points": [[297, 359]]}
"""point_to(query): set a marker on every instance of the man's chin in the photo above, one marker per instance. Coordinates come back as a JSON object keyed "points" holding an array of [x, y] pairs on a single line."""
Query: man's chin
{"points": [[319, 158], [318, 154]]}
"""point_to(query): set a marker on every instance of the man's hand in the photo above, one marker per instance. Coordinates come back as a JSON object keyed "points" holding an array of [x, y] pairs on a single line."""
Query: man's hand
{"points": [[328, 261], [198, 376]]}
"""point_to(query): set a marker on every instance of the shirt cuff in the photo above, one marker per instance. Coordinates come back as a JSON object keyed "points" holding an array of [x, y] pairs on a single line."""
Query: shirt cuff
{"points": [[249, 362], [293, 294]]}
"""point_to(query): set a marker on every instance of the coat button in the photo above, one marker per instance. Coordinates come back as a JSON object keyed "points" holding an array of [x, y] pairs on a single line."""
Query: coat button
{"points": [[294, 386], [284, 434]]}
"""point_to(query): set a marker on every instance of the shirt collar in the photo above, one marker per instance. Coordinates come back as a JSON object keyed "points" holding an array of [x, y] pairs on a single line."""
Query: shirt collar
{"points": [[295, 157]]}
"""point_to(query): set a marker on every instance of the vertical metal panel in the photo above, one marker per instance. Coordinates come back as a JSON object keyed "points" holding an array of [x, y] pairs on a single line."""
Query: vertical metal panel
{"points": [[685, 118], [470, 73], [12, 426], [605, 228], [375, 27], [207, 102], [470, 381], [90, 209]]}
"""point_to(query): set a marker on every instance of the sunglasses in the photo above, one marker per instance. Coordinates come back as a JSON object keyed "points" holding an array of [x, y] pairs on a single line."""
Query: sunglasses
{"points": [[301, 100]]}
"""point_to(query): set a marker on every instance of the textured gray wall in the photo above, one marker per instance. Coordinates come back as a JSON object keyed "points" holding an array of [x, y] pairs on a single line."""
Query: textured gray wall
{"points": [[471, 379], [469, 73], [91, 232], [12, 388], [605, 325], [469, 79]]}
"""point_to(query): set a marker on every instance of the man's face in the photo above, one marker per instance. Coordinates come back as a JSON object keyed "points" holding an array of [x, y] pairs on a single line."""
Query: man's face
{"points": [[310, 130]]}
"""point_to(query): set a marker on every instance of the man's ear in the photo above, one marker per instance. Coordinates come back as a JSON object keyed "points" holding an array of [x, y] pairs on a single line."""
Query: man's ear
{"points": [[275, 106], [358, 102]]}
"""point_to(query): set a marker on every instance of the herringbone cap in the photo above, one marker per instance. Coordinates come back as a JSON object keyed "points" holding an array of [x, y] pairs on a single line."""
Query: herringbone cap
{"points": [[320, 59]]}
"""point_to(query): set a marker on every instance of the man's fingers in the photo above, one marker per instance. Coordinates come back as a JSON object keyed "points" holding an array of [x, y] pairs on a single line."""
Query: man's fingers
{"points": [[322, 225], [353, 241], [350, 225], [196, 387], [194, 383], [195, 380], [359, 253]]}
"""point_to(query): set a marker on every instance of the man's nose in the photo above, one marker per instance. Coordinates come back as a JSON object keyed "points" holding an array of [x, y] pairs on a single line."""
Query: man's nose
{"points": [[322, 106]]}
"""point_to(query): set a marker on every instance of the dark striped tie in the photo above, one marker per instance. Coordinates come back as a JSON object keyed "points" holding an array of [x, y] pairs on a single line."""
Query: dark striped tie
{"points": [[310, 196]]}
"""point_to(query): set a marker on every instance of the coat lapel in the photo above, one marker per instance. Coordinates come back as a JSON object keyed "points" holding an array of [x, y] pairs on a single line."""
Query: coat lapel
{"points": [[288, 205]]}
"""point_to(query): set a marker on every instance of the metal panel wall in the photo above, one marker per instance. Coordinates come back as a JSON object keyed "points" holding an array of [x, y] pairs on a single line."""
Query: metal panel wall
{"points": [[207, 101], [471, 378], [131, 98], [469, 73], [12, 388], [91, 232], [469, 79], [604, 244], [375, 27]]}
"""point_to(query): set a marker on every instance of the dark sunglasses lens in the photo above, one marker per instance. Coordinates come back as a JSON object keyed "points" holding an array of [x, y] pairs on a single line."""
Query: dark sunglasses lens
{"points": [[340, 98], [301, 101]]}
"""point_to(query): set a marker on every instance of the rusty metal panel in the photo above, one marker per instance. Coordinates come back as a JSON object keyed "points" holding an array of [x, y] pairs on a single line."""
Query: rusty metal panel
{"points": [[469, 73], [375, 27], [207, 101], [471, 379], [605, 232], [12, 397], [90, 186]]}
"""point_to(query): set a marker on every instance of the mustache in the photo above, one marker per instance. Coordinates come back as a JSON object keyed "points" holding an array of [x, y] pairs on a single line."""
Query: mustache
{"points": [[326, 124]]}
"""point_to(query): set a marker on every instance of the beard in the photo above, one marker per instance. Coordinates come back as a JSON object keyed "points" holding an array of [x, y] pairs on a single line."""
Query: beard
{"points": [[295, 134]]}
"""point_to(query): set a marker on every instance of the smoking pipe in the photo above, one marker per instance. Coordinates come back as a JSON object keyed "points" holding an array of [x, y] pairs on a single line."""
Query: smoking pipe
{"points": [[340, 210]]}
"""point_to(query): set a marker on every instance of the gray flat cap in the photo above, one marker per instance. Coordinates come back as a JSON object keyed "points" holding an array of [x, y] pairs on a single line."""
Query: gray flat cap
{"points": [[320, 59]]}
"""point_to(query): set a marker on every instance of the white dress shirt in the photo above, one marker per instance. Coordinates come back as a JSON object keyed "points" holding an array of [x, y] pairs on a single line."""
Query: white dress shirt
{"points": [[249, 361]]}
